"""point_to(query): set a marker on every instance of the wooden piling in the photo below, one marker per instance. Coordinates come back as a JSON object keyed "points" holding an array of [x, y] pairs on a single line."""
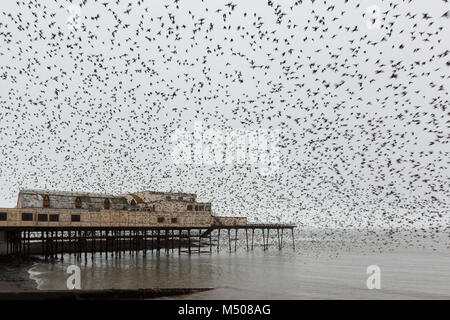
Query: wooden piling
{"points": [[253, 233], [210, 242], [278, 238], [189, 240], [246, 238], [79, 241], [199, 240], [166, 247], [264, 240], [179, 241], [293, 240], [281, 238], [218, 240]]}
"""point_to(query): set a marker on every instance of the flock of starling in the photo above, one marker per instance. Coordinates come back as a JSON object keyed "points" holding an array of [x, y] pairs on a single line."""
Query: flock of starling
{"points": [[90, 98]]}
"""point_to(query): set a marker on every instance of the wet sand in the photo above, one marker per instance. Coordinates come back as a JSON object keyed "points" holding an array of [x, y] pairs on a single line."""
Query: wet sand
{"points": [[14, 275], [105, 294]]}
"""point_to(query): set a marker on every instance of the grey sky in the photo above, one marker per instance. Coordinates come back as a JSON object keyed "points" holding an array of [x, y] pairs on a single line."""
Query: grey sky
{"points": [[80, 112]]}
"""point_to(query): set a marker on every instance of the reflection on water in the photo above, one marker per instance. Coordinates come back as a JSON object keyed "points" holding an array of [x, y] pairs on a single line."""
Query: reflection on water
{"points": [[36, 276], [316, 270]]}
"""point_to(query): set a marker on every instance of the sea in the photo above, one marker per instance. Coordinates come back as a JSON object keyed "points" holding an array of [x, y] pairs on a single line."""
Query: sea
{"points": [[332, 264]]}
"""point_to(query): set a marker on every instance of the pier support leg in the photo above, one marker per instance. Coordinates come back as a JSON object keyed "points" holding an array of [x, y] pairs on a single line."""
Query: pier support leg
{"points": [[246, 238], [189, 241], [46, 246], [179, 242], [42, 243], [56, 244], [70, 243], [92, 244], [293, 239], [229, 241], [158, 243], [63, 245], [166, 242], [210, 242], [264, 240], [28, 244], [278, 238], [199, 240], [218, 240], [145, 243], [153, 242], [106, 244], [281, 239], [85, 245], [253, 234]]}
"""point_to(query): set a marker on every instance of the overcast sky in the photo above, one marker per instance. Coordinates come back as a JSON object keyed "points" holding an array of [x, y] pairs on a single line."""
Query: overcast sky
{"points": [[362, 112]]}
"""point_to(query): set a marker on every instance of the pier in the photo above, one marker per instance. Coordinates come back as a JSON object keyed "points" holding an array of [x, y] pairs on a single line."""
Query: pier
{"points": [[54, 223], [53, 242]]}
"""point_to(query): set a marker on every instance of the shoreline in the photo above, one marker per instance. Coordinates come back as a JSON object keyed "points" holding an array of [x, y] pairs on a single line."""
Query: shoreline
{"points": [[102, 294], [14, 274]]}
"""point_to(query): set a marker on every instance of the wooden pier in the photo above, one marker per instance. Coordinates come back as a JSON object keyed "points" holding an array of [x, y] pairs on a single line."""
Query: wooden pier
{"points": [[53, 242]]}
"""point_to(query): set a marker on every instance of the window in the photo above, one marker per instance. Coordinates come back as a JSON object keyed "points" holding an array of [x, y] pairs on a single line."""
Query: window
{"points": [[42, 217], [133, 202], [3, 216], [46, 201], [201, 208], [27, 216], [168, 197], [180, 198], [189, 207], [78, 203], [207, 208], [160, 219], [54, 217], [196, 208], [107, 204], [173, 220], [75, 218]]}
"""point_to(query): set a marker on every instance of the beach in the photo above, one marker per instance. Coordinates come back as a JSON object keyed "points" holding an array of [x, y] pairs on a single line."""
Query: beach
{"points": [[14, 275]]}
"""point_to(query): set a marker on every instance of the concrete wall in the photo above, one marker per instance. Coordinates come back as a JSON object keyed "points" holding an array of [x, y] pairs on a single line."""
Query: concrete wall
{"points": [[108, 218]]}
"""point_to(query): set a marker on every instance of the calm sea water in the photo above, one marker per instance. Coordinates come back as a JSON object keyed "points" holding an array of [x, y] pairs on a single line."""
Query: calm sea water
{"points": [[322, 267]]}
